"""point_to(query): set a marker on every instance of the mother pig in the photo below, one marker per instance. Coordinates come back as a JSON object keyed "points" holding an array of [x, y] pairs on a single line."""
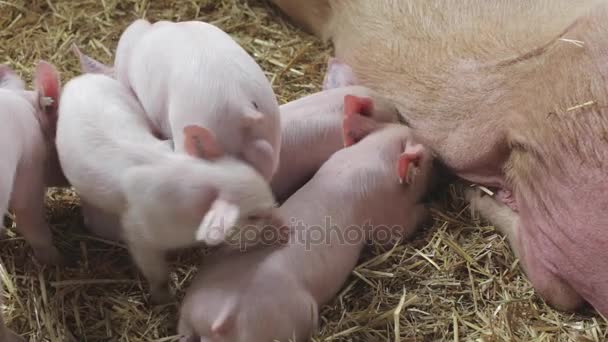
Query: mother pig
{"points": [[511, 95]]}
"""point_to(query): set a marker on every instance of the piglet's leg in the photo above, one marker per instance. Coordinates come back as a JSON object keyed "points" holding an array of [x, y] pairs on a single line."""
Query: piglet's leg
{"points": [[152, 264], [101, 223], [546, 283], [501, 216], [28, 205]]}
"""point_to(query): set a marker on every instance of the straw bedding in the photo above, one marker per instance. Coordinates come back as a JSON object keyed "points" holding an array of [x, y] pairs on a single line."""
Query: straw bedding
{"points": [[456, 281]]}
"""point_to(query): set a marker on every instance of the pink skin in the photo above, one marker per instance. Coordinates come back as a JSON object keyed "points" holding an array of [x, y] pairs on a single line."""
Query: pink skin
{"points": [[312, 132], [156, 200], [275, 293], [310, 126], [192, 73], [338, 75], [89, 65], [29, 162], [529, 102]]}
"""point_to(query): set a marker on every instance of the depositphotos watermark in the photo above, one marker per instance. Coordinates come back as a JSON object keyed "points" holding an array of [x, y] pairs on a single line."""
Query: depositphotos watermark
{"points": [[299, 232]]}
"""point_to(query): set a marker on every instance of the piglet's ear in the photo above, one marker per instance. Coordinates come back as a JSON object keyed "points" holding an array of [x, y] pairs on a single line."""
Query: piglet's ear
{"points": [[358, 105], [199, 142], [91, 65], [356, 125], [408, 163], [9, 79], [47, 84], [219, 220]]}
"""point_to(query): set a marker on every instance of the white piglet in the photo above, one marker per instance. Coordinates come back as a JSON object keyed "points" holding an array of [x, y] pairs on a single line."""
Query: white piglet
{"points": [[165, 200], [275, 294], [193, 73], [28, 161]]}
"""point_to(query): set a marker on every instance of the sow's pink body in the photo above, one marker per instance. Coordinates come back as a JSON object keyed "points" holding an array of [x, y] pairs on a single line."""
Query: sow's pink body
{"points": [[28, 161], [275, 294], [193, 73], [509, 95]]}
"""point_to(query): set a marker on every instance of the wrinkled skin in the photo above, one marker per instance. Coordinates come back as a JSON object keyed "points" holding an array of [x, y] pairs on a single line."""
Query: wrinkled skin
{"points": [[275, 293], [29, 161], [522, 85], [162, 200], [193, 73], [311, 129]]}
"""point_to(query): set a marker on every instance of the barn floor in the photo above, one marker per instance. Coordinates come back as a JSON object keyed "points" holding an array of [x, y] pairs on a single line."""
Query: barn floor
{"points": [[456, 281]]}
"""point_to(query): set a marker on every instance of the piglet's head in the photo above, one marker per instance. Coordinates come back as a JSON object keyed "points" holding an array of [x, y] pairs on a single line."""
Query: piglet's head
{"points": [[244, 212], [357, 122]]}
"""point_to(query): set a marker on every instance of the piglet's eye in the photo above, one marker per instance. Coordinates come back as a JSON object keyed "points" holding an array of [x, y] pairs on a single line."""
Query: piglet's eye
{"points": [[253, 217], [255, 105]]}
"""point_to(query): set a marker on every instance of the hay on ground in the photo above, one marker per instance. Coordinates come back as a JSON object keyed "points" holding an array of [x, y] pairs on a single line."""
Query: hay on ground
{"points": [[456, 281]]}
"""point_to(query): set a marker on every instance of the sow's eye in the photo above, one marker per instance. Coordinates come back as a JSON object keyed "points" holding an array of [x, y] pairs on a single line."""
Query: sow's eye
{"points": [[255, 105]]}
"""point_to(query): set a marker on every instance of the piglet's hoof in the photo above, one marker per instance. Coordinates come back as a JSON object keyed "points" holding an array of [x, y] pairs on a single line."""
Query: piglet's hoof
{"points": [[160, 295], [49, 255]]}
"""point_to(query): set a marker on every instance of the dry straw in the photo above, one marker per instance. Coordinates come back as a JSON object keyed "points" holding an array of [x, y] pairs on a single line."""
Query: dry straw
{"points": [[457, 281]]}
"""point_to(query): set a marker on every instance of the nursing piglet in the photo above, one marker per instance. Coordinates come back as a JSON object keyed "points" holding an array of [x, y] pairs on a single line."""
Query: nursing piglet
{"points": [[193, 73], [164, 200], [275, 293], [29, 162], [311, 129], [524, 88]]}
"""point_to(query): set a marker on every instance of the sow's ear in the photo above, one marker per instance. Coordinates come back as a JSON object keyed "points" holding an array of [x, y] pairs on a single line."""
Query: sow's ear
{"points": [[199, 142], [357, 124]]}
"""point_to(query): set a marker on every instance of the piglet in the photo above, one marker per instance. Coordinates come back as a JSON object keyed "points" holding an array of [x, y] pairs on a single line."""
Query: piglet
{"points": [[162, 199], [29, 162], [311, 129], [193, 73], [274, 294]]}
